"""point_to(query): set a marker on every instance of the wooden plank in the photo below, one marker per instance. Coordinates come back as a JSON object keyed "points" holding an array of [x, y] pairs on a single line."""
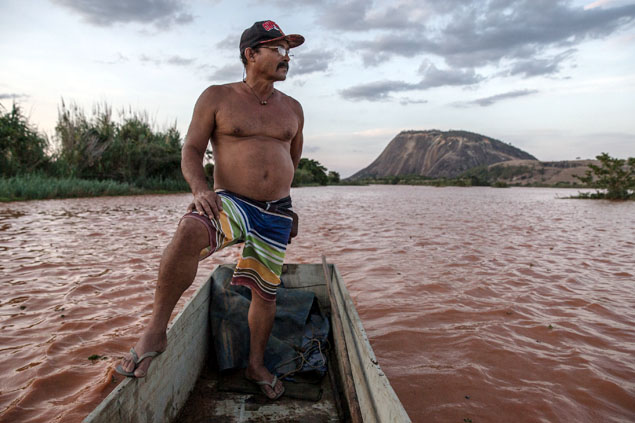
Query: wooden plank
{"points": [[307, 277], [377, 399], [342, 351], [160, 395]]}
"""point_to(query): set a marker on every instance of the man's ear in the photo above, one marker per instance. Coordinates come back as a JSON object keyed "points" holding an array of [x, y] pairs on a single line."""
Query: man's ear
{"points": [[249, 54]]}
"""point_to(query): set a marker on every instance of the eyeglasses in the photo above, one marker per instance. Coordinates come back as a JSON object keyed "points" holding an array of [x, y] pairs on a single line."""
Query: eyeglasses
{"points": [[281, 50]]}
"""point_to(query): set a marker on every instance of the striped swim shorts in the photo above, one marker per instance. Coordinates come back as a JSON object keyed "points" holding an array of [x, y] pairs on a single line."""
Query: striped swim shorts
{"points": [[263, 227]]}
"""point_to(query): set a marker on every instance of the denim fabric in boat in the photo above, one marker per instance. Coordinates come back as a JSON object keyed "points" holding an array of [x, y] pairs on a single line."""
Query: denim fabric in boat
{"points": [[298, 326]]}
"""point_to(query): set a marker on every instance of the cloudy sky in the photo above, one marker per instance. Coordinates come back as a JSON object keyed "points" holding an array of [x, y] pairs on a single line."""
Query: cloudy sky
{"points": [[553, 77]]}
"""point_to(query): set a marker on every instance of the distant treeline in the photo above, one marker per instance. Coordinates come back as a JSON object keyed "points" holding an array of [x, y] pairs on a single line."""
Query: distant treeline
{"points": [[91, 155], [95, 154], [614, 178], [478, 176]]}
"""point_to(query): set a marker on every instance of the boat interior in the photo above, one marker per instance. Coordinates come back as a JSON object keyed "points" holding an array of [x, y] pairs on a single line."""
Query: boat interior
{"points": [[226, 396]]}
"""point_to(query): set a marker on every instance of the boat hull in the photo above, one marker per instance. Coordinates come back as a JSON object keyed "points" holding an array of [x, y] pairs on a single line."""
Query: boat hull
{"points": [[356, 388]]}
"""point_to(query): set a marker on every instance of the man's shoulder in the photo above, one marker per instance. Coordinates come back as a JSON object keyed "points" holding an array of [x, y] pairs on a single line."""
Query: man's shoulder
{"points": [[220, 90], [292, 102], [215, 96]]}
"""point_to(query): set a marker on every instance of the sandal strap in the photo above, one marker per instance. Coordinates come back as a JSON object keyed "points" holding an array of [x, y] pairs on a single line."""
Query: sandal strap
{"points": [[149, 354], [135, 357], [271, 384]]}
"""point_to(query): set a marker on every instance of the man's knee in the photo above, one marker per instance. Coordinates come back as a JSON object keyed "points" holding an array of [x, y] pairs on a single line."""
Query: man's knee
{"points": [[191, 234]]}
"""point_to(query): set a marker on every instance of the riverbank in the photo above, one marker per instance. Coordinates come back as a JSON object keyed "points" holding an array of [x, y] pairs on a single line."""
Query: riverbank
{"points": [[41, 187], [458, 182]]}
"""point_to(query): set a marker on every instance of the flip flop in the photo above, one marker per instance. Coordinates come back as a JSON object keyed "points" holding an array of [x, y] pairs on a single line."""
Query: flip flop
{"points": [[136, 360], [272, 384]]}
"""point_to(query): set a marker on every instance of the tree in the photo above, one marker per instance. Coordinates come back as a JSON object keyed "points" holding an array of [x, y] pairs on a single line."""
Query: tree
{"points": [[333, 177], [302, 177], [317, 171], [616, 176], [22, 149]]}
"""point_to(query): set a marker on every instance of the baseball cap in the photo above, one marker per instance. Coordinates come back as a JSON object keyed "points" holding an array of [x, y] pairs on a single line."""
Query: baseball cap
{"points": [[264, 32]]}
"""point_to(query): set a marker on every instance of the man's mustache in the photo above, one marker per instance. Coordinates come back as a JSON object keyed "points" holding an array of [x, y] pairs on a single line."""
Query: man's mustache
{"points": [[283, 65]]}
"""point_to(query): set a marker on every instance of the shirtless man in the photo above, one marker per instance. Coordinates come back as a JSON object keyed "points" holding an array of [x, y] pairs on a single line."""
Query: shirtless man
{"points": [[256, 134]]}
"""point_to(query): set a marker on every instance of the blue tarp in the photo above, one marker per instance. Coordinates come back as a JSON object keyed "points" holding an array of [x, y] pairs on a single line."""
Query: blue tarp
{"points": [[298, 327]]}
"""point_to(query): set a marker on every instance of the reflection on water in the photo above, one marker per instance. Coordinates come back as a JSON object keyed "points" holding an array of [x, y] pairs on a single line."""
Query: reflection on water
{"points": [[482, 304]]}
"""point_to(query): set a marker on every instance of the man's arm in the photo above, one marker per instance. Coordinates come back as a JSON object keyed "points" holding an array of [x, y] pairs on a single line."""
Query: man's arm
{"points": [[298, 140], [198, 135]]}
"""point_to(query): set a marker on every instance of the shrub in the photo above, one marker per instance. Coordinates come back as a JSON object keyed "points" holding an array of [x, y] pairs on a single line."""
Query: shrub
{"points": [[616, 176], [127, 151], [310, 172], [22, 149]]}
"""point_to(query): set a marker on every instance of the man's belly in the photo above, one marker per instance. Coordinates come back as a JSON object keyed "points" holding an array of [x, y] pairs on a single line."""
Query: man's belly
{"points": [[261, 171]]}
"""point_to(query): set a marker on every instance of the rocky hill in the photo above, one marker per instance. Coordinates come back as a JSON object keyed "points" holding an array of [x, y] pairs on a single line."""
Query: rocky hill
{"points": [[438, 154], [531, 172]]}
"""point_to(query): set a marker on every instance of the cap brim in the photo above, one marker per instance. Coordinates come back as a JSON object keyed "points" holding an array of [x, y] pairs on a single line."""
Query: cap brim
{"points": [[294, 40]]}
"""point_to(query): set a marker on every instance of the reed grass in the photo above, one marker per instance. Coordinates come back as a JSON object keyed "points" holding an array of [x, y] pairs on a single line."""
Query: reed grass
{"points": [[40, 187]]}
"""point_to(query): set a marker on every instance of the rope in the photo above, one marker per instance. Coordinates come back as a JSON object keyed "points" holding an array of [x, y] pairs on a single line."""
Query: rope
{"points": [[303, 356]]}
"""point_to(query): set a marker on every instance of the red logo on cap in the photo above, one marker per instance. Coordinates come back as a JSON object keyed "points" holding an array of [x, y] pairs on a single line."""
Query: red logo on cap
{"points": [[269, 25]]}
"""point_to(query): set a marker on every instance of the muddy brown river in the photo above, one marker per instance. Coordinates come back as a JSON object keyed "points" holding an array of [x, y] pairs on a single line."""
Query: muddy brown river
{"points": [[482, 304]]}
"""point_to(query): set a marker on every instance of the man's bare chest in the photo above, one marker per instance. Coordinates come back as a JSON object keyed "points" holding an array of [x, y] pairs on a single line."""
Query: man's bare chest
{"points": [[255, 120]]}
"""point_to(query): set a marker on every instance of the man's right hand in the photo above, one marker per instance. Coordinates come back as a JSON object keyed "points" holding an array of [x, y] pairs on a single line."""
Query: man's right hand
{"points": [[207, 202]]}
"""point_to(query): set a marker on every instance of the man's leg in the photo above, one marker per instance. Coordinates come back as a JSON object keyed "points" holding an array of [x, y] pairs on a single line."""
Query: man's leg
{"points": [[176, 273], [260, 317]]}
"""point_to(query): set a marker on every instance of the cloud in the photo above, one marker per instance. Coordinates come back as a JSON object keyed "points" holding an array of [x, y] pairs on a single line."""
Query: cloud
{"points": [[540, 66], [596, 4], [360, 15], [347, 15], [432, 77], [488, 101], [376, 91], [119, 59], [311, 61], [161, 13], [231, 42], [172, 60], [477, 33], [404, 101], [601, 3], [227, 73], [288, 4], [179, 61], [375, 52], [13, 96], [528, 38]]}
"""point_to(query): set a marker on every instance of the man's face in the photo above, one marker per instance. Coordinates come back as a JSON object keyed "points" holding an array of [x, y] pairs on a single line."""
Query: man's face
{"points": [[275, 59]]}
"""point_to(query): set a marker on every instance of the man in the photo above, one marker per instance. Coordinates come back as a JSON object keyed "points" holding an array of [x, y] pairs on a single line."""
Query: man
{"points": [[256, 134]]}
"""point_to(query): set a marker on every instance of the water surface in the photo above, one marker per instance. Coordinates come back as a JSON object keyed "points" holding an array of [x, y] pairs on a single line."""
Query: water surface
{"points": [[483, 304]]}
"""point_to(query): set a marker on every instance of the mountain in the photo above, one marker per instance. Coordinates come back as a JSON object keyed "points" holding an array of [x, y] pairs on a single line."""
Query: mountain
{"points": [[438, 154]]}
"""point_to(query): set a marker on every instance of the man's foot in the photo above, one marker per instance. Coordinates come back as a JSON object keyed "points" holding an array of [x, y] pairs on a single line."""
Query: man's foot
{"points": [[264, 379], [147, 343]]}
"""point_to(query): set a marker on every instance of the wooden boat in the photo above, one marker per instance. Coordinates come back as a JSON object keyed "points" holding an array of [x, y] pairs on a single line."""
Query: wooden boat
{"points": [[355, 388]]}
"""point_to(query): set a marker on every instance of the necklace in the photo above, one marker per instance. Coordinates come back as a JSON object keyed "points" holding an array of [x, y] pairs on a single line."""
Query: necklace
{"points": [[262, 102]]}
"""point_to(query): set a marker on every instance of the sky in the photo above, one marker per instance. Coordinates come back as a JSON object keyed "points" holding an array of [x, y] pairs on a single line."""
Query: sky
{"points": [[555, 78]]}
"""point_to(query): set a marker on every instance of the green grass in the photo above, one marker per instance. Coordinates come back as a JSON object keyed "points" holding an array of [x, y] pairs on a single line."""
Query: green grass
{"points": [[39, 187]]}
